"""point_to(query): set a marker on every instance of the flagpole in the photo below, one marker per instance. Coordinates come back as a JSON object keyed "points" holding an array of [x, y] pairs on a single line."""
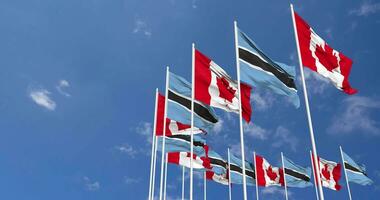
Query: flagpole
{"points": [[240, 113], [154, 166], [164, 133], [166, 174], [307, 106], [183, 182], [283, 167], [345, 173], [153, 141], [204, 186], [192, 119], [257, 184], [315, 180], [229, 175]]}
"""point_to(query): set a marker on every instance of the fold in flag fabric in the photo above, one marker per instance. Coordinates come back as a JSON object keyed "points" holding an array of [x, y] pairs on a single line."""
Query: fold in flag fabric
{"points": [[218, 164], [181, 143], [355, 173], [172, 127], [200, 162], [320, 57], [267, 175], [214, 87], [259, 70], [236, 171], [330, 173], [219, 178], [295, 175], [179, 105]]}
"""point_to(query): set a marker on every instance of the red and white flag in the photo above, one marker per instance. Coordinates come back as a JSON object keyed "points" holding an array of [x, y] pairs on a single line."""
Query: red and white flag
{"points": [[184, 158], [214, 87], [172, 127], [330, 174], [267, 175], [222, 179], [320, 57]]}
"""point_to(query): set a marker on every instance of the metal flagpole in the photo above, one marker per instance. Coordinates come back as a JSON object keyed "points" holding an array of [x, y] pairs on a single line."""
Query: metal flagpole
{"points": [[307, 106], [153, 147], [204, 186], [240, 113], [183, 182], [166, 174], [229, 174], [283, 167], [345, 173], [164, 133], [154, 166], [192, 119], [315, 180], [257, 184]]}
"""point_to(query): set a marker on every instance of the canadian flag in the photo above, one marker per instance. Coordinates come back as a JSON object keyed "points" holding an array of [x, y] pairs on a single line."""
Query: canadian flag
{"points": [[183, 159], [267, 175], [222, 179], [214, 87], [330, 174], [172, 127], [320, 57]]}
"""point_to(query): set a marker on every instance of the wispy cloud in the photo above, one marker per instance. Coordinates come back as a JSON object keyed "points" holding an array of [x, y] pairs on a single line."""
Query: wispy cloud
{"points": [[42, 98], [275, 191], [145, 129], [256, 131], [218, 127], [366, 8], [283, 137], [142, 27], [91, 185], [262, 100], [62, 85], [355, 115], [316, 83], [130, 180], [127, 149]]}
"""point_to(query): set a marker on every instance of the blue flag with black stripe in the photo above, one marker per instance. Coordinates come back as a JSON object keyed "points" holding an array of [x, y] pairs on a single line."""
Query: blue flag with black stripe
{"points": [[236, 171], [295, 175], [181, 143], [355, 173], [259, 70], [179, 105]]}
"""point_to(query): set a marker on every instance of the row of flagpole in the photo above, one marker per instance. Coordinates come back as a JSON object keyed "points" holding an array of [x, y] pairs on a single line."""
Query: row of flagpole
{"points": [[162, 191]]}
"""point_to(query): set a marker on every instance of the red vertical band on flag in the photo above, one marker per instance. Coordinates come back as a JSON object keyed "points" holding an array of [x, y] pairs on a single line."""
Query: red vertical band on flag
{"points": [[174, 157], [160, 115], [260, 171], [337, 174], [246, 101], [202, 77]]}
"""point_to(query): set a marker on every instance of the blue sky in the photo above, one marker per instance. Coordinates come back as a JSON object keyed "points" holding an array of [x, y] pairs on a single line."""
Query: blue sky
{"points": [[78, 78]]}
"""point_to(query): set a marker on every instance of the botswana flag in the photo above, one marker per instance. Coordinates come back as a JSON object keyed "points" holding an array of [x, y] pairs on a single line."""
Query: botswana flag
{"points": [[181, 143], [259, 70], [179, 105], [218, 164], [295, 175], [355, 173], [236, 171]]}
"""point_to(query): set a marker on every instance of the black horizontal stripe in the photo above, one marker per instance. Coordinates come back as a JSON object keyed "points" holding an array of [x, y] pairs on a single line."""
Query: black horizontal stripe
{"points": [[199, 109], [296, 174], [238, 169], [273, 68], [218, 162], [187, 138], [354, 169]]}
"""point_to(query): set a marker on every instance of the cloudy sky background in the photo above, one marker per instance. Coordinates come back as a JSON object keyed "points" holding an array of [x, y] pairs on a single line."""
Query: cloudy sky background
{"points": [[78, 78]]}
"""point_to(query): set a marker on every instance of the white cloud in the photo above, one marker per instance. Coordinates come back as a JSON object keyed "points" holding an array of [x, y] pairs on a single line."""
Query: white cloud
{"points": [[275, 191], [41, 97], [91, 185], [127, 149], [366, 8], [129, 180], [316, 84], [328, 32], [256, 131], [142, 27], [262, 100], [283, 137], [194, 4], [355, 115], [218, 127], [145, 129], [62, 84]]}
